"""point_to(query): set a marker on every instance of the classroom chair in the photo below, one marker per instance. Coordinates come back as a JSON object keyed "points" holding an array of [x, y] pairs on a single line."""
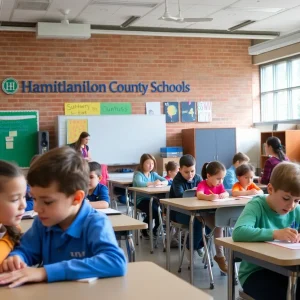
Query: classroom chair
{"points": [[244, 296]]}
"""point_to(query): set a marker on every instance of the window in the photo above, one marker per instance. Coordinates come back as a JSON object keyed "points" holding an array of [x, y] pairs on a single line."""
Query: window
{"points": [[280, 91]]}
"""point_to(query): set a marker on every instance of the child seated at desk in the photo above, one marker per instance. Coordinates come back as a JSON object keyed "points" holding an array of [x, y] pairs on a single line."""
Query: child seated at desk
{"points": [[187, 179], [12, 206], [146, 177], [230, 177], [212, 188], [69, 238], [245, 185], [266, 218], [98, 193], [172, 169]]}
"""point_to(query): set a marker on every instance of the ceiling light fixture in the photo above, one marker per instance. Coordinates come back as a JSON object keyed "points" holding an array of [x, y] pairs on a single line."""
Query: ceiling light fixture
{"points": [[236, 27], [128, 22]]}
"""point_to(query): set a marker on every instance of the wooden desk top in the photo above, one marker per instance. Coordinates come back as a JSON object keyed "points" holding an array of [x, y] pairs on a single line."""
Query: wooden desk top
{"points": [[124, 181], [192, 203], [151, 190], [119, 223], [271, 253], [143, 279]]}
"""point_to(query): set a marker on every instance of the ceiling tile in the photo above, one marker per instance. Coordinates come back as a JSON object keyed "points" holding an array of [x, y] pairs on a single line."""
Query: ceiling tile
{"points": [[6, 9], [27, 15]]}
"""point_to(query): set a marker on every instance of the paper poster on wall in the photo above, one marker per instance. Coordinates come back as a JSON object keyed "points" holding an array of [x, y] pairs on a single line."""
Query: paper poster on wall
{"points": [[9, 139], [188, 112], [115, 108], [9, 145], [205, 111], [171, 112], [82, 108], [13, 133], [153, 108], [74, 129]]}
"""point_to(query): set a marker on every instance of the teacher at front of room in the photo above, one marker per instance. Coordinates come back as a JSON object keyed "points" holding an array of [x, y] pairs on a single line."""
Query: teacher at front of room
{"points": [[81, 146]]}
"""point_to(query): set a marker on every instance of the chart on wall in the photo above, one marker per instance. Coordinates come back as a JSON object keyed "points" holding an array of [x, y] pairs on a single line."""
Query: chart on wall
{"points": [[171, 112], [205, 111], [188, 111], [74, 129]]}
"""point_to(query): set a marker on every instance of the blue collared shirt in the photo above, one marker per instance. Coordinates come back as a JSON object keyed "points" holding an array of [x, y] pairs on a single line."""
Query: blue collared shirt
{"points": [[29, 200], [230, 178], [88, 248], [100, 193]]}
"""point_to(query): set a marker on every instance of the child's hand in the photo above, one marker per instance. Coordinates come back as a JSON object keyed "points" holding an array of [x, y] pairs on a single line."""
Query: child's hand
{"points": [[12, 263], [224, 195], [252, 192], [286, 234], [157, 182], [19, 277], [214, 197]]}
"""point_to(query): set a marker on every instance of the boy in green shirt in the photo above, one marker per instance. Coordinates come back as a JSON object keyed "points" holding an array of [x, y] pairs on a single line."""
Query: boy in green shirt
{"points": [[268, 218]]}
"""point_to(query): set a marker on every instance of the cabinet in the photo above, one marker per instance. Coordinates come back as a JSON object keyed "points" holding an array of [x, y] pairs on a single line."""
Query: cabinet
{"points": [[290, 139], [210, 144], [161, 161]]}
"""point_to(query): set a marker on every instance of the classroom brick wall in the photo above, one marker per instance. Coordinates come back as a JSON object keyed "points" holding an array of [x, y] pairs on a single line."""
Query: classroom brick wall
{"points": [[218, 70]]}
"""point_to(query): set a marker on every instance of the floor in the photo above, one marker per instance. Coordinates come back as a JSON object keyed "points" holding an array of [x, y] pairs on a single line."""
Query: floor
{"points": [[201, 278]]}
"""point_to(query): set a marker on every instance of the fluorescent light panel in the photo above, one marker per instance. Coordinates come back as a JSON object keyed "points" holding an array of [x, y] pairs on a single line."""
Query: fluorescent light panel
{"points": [[128, 22], [126, 4], [241, 25]]}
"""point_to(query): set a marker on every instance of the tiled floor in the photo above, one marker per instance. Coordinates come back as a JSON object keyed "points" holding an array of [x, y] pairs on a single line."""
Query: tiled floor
{"points": [[201, 277]]}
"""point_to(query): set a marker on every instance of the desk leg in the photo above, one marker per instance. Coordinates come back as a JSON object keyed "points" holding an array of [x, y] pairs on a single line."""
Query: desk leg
{"points": [[135, 216], [292, 287], [130, 248], [168, 238], [127, 201], [230, 276], [191, 235], [151, 224]]}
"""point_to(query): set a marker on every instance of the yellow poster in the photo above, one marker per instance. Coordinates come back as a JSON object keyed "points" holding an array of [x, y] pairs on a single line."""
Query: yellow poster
{"points": [[82, 108], [74, 128]]}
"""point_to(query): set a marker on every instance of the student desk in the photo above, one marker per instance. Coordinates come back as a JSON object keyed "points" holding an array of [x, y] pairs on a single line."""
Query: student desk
{"points": [[149, 191], [122, 225], [193, 207], [123, 183], [129, 287], [278, 259]]}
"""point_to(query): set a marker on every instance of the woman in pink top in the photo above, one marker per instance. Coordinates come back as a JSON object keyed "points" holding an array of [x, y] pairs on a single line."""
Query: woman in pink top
{"points": [[211, 188]]}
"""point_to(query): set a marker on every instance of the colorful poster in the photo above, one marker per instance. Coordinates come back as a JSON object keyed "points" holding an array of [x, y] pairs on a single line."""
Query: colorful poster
{"points": [[205, 111], [188, 112], [82, 108], [115, 108], [74, 129], [171, 112]]}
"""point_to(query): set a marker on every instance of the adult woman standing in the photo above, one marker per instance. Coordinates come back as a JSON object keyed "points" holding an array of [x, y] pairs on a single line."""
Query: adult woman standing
{"points": [[81, 145], [276, 154]]}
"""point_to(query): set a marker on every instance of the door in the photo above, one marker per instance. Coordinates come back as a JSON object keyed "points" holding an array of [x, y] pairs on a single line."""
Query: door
{"points": [[226, 145], [206, 149]]}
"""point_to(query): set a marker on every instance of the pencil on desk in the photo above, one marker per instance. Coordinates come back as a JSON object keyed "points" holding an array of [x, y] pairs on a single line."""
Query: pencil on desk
{"points": [[211, 191]]}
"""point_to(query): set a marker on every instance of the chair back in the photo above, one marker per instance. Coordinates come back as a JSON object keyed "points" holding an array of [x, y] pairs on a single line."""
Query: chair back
{"points": [[227, 216], [189, 193]]}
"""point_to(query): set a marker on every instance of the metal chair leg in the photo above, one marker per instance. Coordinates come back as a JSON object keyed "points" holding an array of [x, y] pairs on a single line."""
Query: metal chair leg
{"points": [[183, 250]]}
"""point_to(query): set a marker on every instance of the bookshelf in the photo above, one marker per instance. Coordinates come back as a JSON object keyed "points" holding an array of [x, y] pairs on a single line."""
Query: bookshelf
{"points": [[290, 139]]}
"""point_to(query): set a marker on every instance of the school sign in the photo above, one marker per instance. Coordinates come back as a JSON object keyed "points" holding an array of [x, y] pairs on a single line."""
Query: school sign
{"points": [[11, 86]]}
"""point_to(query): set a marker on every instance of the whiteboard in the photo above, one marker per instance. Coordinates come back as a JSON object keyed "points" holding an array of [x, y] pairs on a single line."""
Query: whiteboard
{"points": [[120, 139]]}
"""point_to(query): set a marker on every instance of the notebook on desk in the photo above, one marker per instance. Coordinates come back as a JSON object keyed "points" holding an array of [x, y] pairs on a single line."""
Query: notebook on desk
{"points": [[292, 246], [109, 211], [29, 215]]}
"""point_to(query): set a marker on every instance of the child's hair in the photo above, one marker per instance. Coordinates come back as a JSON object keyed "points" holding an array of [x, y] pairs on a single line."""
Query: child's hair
{"points": [[9, 171], [241, 157], [275, 143], [95, 167], [34, 158], [187, 160], [63, 166], [286, 176], [244, 169], [83, 135], [144, 157], [171, 166], [212, 168]]}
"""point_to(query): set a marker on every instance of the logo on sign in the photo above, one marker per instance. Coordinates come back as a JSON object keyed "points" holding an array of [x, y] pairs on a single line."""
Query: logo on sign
{"points": [[10, 86]]}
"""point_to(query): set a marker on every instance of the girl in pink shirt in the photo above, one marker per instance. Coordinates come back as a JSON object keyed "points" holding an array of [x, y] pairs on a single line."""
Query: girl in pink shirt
{"points": [[210, 189]]}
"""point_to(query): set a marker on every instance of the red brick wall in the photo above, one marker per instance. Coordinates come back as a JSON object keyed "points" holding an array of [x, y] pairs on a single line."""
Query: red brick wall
{"points": [[218, 70]]}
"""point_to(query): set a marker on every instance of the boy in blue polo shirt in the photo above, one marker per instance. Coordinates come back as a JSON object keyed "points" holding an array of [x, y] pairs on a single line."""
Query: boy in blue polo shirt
{"points": [[98, 193], [69, 238]]}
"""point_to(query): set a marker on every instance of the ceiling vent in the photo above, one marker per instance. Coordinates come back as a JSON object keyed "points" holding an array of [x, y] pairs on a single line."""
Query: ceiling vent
{"points": [[41, 5], [124, 4]]}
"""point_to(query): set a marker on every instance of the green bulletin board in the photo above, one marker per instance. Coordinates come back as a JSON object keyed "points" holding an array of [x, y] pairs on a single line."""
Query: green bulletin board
{"points": [[18, 136]]}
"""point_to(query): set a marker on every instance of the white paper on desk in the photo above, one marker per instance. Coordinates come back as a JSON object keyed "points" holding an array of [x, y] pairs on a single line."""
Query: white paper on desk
{"points": [[109, 211], [292, 246], [222, 200], [29, 215], [245, 197], [88, 280]]}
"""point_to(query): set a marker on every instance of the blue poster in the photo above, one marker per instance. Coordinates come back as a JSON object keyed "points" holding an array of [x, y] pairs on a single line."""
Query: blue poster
{"points": [[188, 112], [171, 112]]}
